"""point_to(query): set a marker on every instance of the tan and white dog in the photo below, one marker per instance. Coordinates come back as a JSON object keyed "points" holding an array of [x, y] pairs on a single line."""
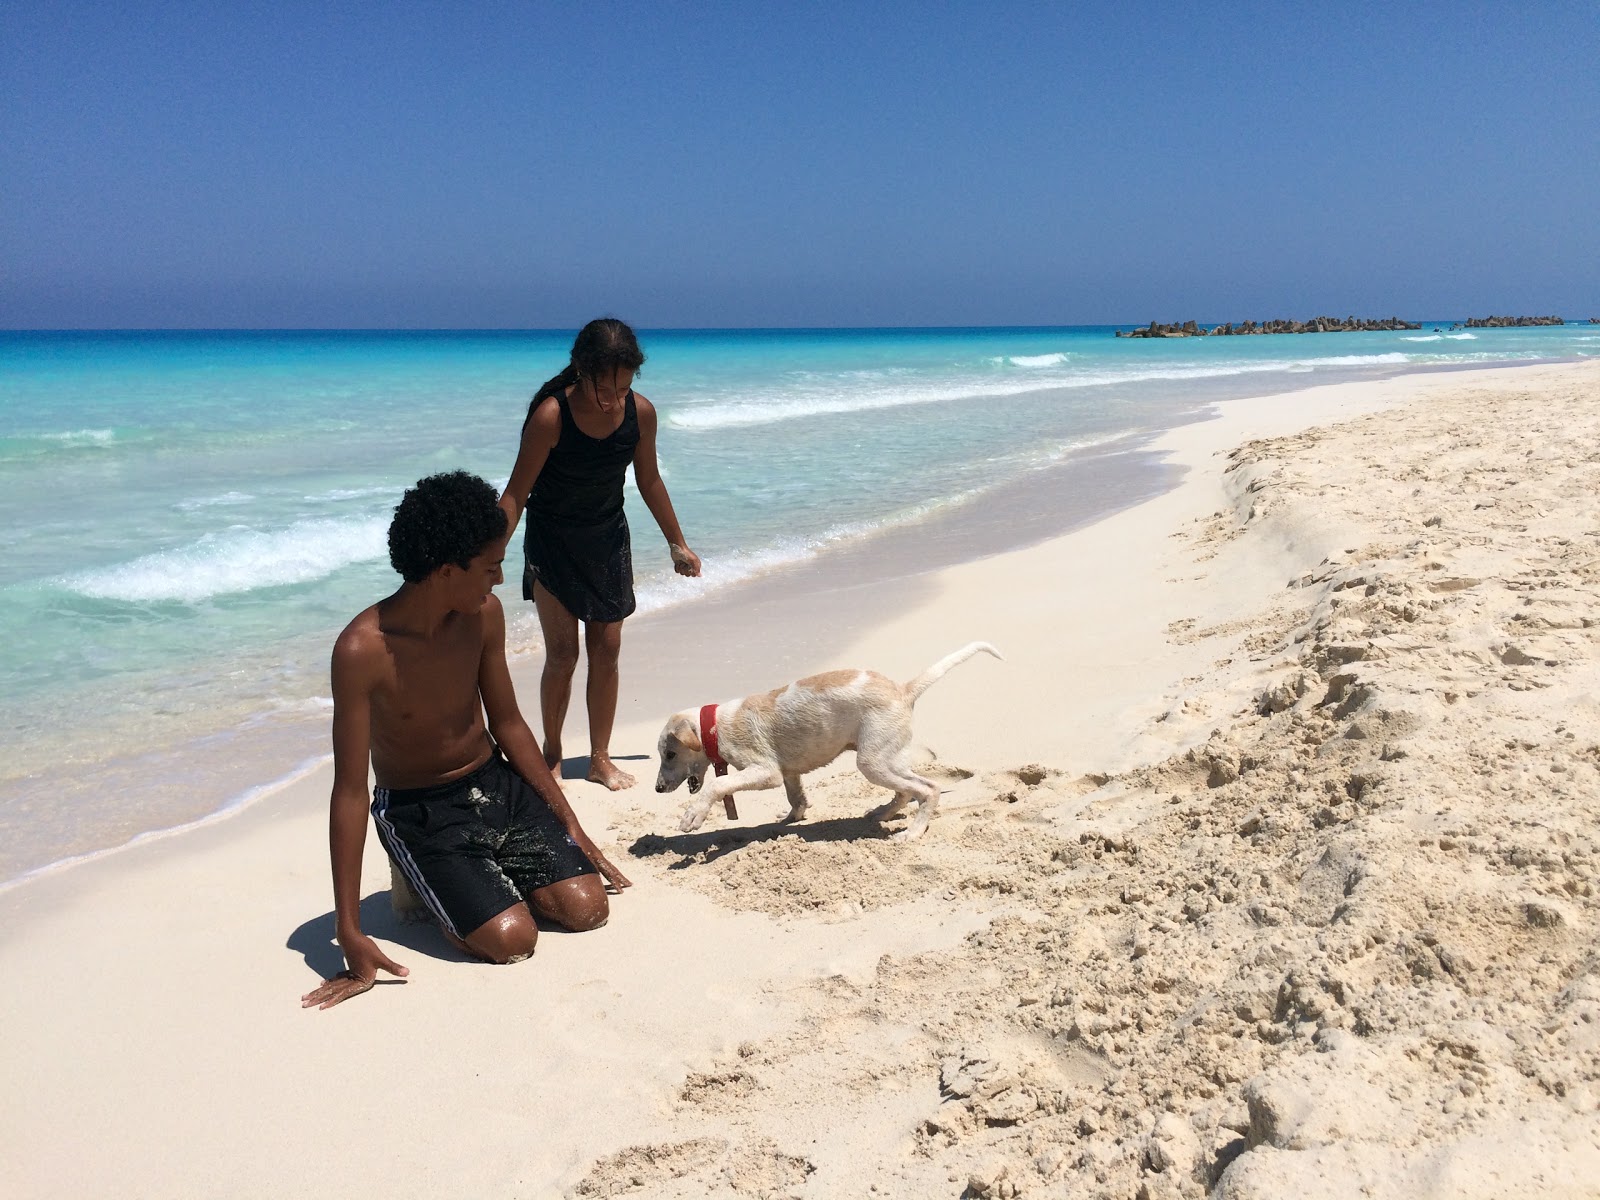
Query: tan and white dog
{"points": [[778, 736]]}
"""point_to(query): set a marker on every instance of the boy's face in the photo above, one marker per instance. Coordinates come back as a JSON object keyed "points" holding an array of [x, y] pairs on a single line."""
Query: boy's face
{"points": [[472, 585]]}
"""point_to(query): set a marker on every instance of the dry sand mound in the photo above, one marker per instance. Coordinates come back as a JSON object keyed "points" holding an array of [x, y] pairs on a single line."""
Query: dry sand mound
{"points": [[1344, 944]]}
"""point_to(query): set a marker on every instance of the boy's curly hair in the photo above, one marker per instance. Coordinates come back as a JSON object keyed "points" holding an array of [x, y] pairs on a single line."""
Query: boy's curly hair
{"points": [[446, 518]]}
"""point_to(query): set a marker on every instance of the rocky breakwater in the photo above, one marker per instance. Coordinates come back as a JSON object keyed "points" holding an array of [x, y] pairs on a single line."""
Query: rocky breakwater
{"points": [[1507, 322], [1315, 325]]}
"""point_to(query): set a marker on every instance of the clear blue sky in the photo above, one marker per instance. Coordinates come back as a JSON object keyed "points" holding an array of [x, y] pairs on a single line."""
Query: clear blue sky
{"points": [[487, 164]]}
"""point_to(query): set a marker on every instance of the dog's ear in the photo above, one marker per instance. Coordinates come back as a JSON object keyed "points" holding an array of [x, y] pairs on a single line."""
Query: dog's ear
{"points": [[688, 734]]}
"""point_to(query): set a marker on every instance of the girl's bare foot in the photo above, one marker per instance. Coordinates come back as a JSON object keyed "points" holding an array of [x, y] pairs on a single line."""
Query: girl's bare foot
{"points": [[606, 773]]}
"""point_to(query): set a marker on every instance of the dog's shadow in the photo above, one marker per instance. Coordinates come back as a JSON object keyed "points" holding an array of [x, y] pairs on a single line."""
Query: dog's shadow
{"points": [[707, 845], [578, 766]]}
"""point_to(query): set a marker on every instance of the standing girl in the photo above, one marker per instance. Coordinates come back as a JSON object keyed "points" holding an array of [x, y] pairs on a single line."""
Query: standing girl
{"points": [[583, 429]]}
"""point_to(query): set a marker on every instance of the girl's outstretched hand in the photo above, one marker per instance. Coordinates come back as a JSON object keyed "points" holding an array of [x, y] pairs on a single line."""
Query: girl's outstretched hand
{"points": [[685, 561]]}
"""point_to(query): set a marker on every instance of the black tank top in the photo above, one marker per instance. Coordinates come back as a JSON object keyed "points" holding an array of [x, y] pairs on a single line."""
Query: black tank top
{"points": [[581, 480]]}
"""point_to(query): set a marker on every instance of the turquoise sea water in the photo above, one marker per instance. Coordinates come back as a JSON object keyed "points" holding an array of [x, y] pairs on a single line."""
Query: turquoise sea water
{"points": [[187, 519]]}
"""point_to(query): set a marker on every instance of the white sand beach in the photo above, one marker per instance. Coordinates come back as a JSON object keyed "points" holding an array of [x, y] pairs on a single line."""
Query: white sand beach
{"points": [[1266, 865]]}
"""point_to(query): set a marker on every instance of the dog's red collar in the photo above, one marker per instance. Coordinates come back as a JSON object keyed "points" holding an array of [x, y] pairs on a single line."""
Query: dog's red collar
{"points": [[708, 738]]}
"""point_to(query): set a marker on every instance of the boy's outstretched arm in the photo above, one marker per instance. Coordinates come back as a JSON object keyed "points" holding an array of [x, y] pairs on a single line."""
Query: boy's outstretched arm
{"points": [[510, 731], [347, 828]]}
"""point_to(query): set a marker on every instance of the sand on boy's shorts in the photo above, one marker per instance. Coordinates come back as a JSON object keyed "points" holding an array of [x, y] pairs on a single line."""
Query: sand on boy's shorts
{"points": [[469, 849]]}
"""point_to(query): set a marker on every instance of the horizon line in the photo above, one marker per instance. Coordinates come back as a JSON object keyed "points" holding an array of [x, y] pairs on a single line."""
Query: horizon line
{"points": [[535, 329]]}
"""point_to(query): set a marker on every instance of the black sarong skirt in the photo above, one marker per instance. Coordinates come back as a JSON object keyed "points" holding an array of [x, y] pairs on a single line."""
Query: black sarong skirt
{"points": [[589, 568]]}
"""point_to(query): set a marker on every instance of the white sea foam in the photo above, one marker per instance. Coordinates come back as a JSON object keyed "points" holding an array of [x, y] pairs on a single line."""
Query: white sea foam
{"points": [[742, 413], [227, 498], [1431, 337], [1066, 450], [81, 437], [728, 569], [724, 571], [1357, 360], [1037, 360], [238, 560], [294, 706], [865, 398], [1462, 337], [361, 493]]}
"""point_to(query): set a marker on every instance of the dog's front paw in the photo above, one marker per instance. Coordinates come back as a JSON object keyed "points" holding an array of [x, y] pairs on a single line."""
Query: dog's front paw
{"points": [[693, 817]]}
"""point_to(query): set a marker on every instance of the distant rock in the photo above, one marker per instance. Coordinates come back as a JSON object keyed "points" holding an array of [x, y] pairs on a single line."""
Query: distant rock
{"points": [[1316, 325], [1512, 322]]}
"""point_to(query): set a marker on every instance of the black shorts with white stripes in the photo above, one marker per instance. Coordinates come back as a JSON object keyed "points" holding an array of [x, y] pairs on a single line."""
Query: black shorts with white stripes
{"points": [[473, 847]]}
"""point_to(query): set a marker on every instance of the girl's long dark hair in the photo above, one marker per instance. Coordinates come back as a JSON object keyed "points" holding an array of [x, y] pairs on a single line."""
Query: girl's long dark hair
{"points": [[606, 344]]}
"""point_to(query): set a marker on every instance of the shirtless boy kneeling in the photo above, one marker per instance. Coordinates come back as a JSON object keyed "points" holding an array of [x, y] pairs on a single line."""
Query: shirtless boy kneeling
{"points": [[470, 813]]}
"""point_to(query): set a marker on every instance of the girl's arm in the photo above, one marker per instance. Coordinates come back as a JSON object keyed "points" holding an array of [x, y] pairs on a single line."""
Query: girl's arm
{"points": [[654, 492], [540, 432]]}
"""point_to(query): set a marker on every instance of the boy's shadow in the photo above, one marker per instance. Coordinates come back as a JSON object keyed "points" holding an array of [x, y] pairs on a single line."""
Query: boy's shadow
{"points": [[314, 940], [578, 767]]}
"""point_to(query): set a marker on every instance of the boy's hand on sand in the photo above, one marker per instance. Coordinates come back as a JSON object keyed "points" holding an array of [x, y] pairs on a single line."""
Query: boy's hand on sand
{"points": [[685, 561], [365, 960], [613, 877]]}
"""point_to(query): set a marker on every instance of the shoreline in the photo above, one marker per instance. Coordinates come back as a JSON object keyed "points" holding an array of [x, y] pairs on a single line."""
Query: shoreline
{"points": [[954, 535], [941, 996]]}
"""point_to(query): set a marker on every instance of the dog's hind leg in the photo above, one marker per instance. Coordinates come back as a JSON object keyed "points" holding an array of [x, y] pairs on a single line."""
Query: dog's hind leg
{"points": [[927, 807], [796, 792], [908, 786], [896, 804]]}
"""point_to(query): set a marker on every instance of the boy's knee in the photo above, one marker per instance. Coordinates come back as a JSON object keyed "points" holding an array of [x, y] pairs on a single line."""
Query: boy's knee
{"points": [[587, 915], [577, 905], [508, 938], [514, 946]]}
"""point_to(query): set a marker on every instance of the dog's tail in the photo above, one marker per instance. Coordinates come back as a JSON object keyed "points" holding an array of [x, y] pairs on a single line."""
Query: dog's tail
{"points": [[936, 672]]}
